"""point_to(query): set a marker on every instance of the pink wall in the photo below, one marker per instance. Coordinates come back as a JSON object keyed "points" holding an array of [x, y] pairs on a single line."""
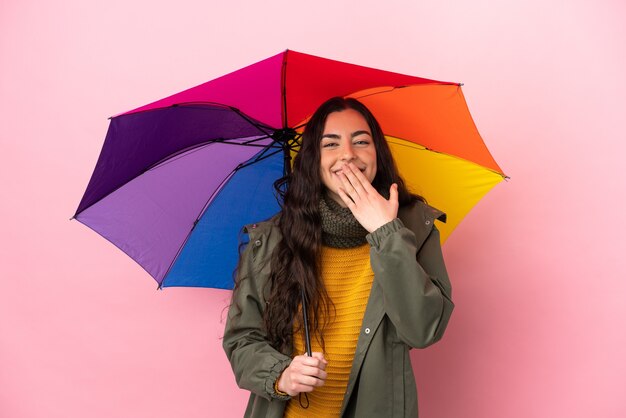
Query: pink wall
{"points": [[537, 267]]}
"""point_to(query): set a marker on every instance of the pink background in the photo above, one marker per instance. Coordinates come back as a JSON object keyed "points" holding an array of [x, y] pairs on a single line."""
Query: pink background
{"points": [[537, 267]]}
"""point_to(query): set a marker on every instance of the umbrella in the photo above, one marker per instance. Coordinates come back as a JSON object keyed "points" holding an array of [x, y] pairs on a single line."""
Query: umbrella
{"points": [[176, 179]]}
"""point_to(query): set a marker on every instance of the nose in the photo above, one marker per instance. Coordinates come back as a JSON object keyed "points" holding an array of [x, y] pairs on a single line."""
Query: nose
{"points": [[348, 152]]}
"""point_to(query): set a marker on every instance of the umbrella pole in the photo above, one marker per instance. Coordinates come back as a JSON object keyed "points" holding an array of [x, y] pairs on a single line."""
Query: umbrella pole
{"points": [[307, 343], [305, 318]]}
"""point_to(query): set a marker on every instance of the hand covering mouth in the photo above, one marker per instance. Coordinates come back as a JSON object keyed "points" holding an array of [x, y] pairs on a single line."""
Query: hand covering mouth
{"points": [[362, 170]]}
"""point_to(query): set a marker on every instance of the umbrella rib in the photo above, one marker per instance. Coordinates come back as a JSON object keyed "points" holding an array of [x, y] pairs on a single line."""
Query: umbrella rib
{"points": [[283, 88], [379, 92], [261, 127], [197, 147], [197, 104], [424, 148], [253, 141], [259, 158], [256, 157], [251, 121], [292, 144], [392, 88], [295, 143]]}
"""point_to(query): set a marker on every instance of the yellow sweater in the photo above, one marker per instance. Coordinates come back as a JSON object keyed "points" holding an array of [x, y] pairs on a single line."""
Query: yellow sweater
{"points": [[348, 277]]}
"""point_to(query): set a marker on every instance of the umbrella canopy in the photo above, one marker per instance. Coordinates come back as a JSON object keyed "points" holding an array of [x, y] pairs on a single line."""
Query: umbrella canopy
{"points": [[176, 179]]}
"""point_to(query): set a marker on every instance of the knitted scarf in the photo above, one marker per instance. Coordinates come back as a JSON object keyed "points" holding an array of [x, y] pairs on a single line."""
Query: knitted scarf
{"points": [[340, 229]]}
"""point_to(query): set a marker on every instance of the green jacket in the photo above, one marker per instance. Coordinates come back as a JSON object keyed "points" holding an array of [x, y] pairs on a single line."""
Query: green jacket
{"points": [[409, 306]]}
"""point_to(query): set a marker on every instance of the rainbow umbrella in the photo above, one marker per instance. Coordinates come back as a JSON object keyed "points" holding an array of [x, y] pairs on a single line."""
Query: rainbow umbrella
{"points": [[176, 179]]}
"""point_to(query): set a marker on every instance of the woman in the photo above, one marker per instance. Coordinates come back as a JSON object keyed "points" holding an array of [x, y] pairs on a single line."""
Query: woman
{"points": [[366, 254]]}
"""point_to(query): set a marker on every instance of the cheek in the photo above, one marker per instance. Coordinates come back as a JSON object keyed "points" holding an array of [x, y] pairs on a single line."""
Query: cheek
{"points": [[373, 165], [372, 175], [325, 175]]}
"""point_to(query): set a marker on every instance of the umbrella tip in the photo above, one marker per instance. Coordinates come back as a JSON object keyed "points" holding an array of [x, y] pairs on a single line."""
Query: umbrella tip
{"points": [[461, 84]]}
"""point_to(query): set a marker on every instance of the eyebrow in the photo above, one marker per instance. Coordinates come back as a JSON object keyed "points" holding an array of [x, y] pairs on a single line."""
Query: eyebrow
{"points": [[354, 134]]}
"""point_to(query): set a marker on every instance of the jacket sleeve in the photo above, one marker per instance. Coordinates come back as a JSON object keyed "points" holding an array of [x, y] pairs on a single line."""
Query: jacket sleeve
{"points": [[417, 296], [255, 363]]}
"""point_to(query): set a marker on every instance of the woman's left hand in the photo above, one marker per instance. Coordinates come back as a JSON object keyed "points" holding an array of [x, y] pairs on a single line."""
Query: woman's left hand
{"points": [[367, 205]]}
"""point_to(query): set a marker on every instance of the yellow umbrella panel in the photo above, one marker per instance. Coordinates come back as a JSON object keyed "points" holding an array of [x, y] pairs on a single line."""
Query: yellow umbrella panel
{"points": [[450, 184]]}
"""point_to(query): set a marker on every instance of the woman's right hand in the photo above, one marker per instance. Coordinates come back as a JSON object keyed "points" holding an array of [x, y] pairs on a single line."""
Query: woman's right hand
{"points": [[303, 374]]}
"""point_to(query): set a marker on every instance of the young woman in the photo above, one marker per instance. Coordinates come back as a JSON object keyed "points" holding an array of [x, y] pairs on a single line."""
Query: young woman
{"points": [[367, 256]]}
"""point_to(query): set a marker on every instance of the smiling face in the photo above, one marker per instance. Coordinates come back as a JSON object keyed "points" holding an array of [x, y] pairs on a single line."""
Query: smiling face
{"points": [[347, 138]]}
